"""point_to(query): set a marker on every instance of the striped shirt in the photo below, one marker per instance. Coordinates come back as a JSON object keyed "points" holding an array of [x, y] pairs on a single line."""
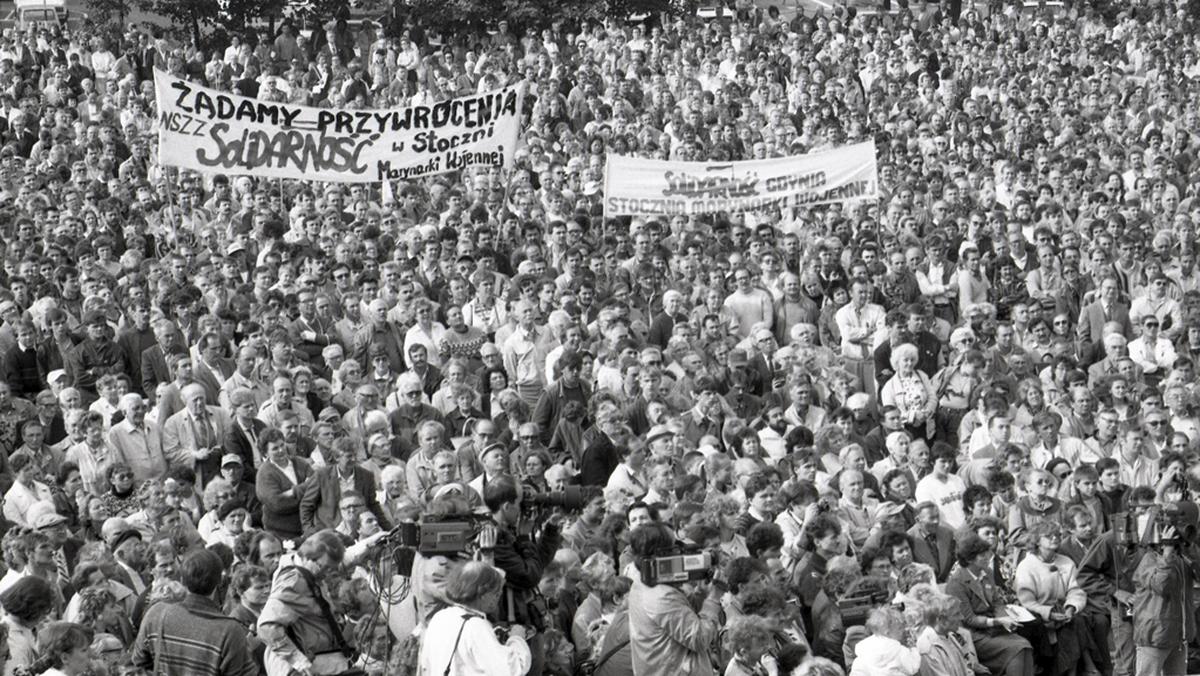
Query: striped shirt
{"points": [[192, 638]]}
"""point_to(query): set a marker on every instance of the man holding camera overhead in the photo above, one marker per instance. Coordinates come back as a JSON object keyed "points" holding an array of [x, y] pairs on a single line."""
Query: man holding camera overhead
{"points": [[666, 635], [522, 557], [1163, 612]]}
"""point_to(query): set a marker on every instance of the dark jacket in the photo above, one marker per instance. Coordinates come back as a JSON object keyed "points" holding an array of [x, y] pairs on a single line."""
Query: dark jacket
{"points": [[523, 559], [319, 506], [133, 344], [154, 369], [600, 458], [237, 443], [979, 598], [23, 370], [1162, 601], [247, 495], [550, 405], [94, 359], [941, 561], [281, 514]]}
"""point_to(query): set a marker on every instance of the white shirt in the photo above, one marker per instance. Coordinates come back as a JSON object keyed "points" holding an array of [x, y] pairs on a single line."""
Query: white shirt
{"points": [[10, 578], [19, 498], [883, 656], [479, 653], [947, 495], [624, 477], [1152, 358], [858, 324], [289, 471]]}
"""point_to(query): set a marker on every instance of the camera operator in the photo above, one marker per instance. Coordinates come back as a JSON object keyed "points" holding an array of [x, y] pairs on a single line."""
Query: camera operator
{"points": [[666, 635], [413, 596], [522, 557], [1163, 615], [461, 641]]}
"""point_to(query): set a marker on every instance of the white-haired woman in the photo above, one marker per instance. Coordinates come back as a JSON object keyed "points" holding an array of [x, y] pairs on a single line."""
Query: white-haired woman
{"points": [[461, 641], [945, 650], [910, 391]]}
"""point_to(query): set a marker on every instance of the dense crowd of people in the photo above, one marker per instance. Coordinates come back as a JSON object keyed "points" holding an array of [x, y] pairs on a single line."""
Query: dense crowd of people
{"points": [[949, 431]]}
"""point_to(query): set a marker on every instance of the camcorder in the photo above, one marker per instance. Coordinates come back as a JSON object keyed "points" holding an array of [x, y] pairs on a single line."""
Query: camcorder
{"points": [[861, 598], [1148, 528], [683, 565], [451, 536]]}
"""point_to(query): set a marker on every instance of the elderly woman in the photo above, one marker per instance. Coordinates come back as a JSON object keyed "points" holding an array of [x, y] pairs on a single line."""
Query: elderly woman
{"points": [[910, 391], [999, 649], [1046, 585], [216, 494], [944, 652], [94, 455], [475, 591], [1031, 404], [379, 455], [120, 498], [425, 332]]}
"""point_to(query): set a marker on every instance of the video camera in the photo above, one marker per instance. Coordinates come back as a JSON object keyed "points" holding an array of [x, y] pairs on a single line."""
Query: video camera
{"points": [[1146, 529], [683, 565], [449, 536], [861, 598], [432, 538]]}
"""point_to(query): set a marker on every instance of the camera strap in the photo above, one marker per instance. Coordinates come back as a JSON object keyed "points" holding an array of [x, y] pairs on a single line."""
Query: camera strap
{"points": [[339, 640]]}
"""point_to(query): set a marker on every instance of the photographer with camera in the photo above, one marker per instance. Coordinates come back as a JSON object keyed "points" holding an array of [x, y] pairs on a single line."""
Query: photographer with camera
{"points": [[298, 625], [522, 557], [464, 641], [665, 633], [1163, 610]]}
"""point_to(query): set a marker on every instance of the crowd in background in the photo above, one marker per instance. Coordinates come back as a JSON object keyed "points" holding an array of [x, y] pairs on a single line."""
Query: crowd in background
{"points": [[955, 425]]}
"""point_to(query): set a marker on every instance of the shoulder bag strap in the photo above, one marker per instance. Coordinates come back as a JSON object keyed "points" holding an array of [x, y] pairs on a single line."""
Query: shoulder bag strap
{"points": [[457, 639], [339, 640], [608, 654]]}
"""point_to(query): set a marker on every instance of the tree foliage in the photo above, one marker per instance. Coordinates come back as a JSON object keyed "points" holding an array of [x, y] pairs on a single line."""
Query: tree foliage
{"points": [[450, 15], [192, 19], [187, 17], [109, 12], [238, 14]]}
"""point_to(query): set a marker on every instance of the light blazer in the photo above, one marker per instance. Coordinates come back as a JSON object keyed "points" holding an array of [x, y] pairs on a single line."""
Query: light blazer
{"points": [[179, 440]]}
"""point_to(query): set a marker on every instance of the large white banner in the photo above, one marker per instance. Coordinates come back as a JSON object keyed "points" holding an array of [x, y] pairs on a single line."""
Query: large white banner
{"points": [[218, 132], [635, 186]]}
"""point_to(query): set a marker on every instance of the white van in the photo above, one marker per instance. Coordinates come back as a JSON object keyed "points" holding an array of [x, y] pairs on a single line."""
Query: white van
{"points": [[43, 13]]}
